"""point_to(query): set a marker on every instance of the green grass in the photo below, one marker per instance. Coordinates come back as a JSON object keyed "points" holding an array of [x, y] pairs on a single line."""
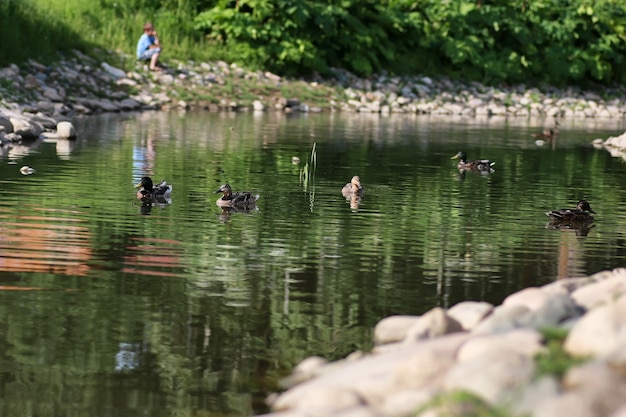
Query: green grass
{"points": [[556, 361], [42, 29], [461, 404]]}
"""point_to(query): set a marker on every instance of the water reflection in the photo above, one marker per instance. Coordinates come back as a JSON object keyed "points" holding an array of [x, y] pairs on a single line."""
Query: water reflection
{"points": [[197, 309]]}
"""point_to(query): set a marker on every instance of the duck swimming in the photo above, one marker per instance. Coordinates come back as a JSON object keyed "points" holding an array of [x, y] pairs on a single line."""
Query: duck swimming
{"points": [[483, 165], [548, 133], [149, 192], [572, 218], [243, 200], [353, 188]]}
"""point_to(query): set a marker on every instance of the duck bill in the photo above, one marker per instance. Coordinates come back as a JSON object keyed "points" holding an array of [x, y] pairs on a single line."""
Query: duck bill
{"points": [[455, 156], [138, 185], [218, 191]]}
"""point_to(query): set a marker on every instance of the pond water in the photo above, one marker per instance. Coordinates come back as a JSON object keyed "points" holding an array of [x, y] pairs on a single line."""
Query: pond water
{"points": [[108, 308]]}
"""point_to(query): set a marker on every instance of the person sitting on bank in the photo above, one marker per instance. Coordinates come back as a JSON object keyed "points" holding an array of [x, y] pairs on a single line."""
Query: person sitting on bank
{"points": [[149, 47]]}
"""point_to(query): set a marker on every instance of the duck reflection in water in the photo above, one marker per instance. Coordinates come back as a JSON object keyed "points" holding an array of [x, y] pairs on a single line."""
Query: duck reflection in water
{"points": [[227, 212], [578, 218]]}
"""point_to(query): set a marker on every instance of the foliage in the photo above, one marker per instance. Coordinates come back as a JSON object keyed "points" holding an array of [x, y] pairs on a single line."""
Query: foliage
{"points": [[555, 361], [495, 41], [558, 41]]}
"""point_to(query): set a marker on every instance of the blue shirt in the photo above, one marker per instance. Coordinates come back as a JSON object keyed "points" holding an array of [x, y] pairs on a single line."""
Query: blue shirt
{"points": [[144, 43]]}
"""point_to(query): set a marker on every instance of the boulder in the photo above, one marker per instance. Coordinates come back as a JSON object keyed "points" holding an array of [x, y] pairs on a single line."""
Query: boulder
{"points": [[66, 130]]}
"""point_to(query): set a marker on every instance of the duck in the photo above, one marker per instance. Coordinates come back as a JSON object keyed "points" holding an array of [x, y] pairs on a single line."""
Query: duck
{"points": [[572, 218], [548, 133], [483, 165], [26, 170], [353, 188], [242, 200], [149, 192]]}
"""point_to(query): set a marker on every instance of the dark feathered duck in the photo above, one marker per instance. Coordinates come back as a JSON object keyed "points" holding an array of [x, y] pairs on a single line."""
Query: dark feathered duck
{"points": [[149, 192], [548, 133], [572, 218], [483, 165], [242, 200]]}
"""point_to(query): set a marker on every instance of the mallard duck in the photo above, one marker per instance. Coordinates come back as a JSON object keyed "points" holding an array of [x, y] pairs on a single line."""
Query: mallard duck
{"points": [[149, 192], [243, 200], [353, 188], [572, 218], [548, 133], [483, 165]]}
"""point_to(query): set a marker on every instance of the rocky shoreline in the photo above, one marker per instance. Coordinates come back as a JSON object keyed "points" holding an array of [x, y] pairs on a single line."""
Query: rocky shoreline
{"points": [[39, 95], [478, 359]]}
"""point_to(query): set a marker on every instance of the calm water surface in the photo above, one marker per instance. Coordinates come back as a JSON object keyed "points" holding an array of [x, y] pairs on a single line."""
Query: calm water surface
{"points": [[108, 308]]}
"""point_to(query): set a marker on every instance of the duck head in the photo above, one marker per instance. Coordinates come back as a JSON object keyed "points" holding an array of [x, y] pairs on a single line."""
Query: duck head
{"points": [[225, 190], [356, 183], [145, 183], [461, 155], [583, 205]]}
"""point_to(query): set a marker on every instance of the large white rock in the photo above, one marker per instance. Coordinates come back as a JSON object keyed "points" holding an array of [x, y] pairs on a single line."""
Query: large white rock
{"points": [[66, 130], [599, 331], [505, 318], [393, 328], [116, 72], [433, 323], [470, 313], [523, 341], [495, 376], [607, 288], [5, 124], [26, 128]]}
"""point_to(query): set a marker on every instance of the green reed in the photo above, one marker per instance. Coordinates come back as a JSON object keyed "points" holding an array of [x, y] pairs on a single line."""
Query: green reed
{"points": [[307, 175]]}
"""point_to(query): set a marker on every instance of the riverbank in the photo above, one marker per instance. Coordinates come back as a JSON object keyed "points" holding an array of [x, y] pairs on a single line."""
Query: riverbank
{"points": [[79, 85], [551, 351]]}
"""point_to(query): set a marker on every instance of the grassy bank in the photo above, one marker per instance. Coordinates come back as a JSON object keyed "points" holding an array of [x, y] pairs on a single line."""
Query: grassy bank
{"points": [[40, 29]]}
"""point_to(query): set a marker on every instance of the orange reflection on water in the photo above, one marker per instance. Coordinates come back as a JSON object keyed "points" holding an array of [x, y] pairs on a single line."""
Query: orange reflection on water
{"points": [[151, 256], [34, 244]]}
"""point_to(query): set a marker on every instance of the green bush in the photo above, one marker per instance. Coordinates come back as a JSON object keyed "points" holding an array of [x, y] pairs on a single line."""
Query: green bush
{"points": [[495, 41]]}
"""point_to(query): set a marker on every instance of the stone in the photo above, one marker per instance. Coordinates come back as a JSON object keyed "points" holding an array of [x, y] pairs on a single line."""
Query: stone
{"points": [[432, 324], [603, 389], [25, 128], [5, 124], [429, 361], [51, 93], [604, 290], [620, 412], [540, 390], [598, 332], [257, 105], [66, 130], [495, 376], [557, 308], [504, 318], [526, 342], [568, 404], [404, 402], [320, 401], [532, 298], [469, 313], [393, 328]]}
